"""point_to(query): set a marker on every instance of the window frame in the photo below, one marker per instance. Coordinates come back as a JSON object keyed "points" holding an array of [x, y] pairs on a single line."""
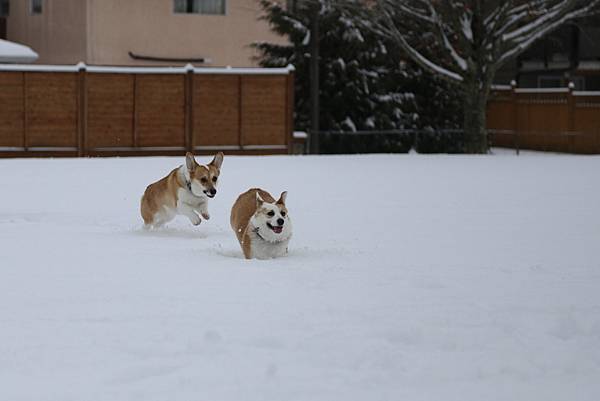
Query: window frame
{"points": [[32, 6], [548, 78], [3, 4], [224, 13]]}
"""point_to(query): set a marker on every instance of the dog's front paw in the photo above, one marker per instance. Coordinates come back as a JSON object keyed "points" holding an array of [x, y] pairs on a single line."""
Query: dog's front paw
{"points": [[196, 221], [206, 215]]}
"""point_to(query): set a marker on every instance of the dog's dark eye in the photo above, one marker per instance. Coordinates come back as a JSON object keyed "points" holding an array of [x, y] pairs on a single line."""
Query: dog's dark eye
{"points": [[203, 179], [214, 179], [282, 214], [271, 213]]}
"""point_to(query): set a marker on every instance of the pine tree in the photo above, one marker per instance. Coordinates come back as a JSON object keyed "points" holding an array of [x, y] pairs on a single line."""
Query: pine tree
{"points": [[363, 80]]}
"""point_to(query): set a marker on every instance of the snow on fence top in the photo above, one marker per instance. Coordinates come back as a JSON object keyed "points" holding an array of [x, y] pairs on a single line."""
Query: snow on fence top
{"points": [[545, 90], [542, 90], [586, 93], [148, 70]]}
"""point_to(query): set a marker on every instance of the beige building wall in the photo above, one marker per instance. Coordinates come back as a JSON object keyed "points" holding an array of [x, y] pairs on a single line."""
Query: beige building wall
{"points": [[58, 35], [103, 32], [151, 28]]}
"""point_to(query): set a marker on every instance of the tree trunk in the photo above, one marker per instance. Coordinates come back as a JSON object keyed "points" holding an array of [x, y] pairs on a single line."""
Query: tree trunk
{"points": [[474, 123]]}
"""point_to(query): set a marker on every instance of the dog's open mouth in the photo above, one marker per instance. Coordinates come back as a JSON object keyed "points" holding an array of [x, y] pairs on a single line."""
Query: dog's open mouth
{"points": [[276, 229], [209, 194]]}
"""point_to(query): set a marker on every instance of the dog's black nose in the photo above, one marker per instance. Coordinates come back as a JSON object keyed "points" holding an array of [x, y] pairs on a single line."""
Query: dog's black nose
{"points": [[280, 221], [213, 191]]}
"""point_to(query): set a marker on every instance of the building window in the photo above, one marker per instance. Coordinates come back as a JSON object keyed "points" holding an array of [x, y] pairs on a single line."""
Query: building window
{"points": [[35, 6], [4, 8], [560, 81], [200, 6], [550, 81]]}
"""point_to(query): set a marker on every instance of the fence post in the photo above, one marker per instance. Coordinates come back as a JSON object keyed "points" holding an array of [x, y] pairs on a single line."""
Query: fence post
{"points": [[289, 113], [81, 110], [571, 118], [240, 112], [189, 107], [25, 105], [134, 122], [515, 122]]}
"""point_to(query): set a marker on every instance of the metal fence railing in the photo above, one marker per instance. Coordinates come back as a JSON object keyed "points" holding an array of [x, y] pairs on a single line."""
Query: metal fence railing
{"points": [[389, 141], [576, 142], [451, 141]]}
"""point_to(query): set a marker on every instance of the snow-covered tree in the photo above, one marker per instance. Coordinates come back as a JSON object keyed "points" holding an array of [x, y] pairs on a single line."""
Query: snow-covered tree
{"points": [[467, 41], [362, 78]]}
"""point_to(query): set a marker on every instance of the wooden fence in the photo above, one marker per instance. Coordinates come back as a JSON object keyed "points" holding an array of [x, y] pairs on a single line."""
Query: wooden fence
{"points": [[107, 111], [558, 120]]}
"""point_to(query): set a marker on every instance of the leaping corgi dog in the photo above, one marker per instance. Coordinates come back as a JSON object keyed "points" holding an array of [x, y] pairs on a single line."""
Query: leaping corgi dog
{"points": [[262, 225], [184, 191]]}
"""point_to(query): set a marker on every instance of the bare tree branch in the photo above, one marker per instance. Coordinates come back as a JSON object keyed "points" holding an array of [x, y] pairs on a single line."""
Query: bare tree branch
{"points": [[391, 28], [537, 30], [466, 41]]}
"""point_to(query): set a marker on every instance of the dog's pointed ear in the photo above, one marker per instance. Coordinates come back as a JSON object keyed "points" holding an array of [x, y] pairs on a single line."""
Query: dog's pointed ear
{"points": [[190, 162], [282, 198], [217, 161], [259, 200]]}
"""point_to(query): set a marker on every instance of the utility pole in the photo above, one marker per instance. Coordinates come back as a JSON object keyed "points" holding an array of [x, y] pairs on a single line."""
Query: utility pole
{"points": [[314, 82]]}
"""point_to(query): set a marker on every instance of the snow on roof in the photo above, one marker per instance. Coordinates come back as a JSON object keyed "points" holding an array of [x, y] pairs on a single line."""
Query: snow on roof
{"points": [[11, 52], [589, 65]]}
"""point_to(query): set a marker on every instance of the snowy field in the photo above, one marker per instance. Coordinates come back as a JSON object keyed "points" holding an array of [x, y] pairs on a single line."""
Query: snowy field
{"points": [[409, 277]]}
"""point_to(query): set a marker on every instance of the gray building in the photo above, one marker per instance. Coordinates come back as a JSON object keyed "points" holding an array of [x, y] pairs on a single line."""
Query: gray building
{"points": [[569, 54]]}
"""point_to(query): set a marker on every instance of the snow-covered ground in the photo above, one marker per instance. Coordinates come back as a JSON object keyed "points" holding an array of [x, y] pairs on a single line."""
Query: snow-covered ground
{"points": [[409, 278]]}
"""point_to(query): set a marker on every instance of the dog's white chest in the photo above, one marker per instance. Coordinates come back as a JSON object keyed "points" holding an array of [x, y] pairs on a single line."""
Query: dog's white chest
{"points": [[267, 250], [184, 196]]}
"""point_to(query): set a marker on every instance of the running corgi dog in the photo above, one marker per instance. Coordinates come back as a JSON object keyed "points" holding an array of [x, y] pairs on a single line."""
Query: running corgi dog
{"points": [[184, 191], [262, 225]]}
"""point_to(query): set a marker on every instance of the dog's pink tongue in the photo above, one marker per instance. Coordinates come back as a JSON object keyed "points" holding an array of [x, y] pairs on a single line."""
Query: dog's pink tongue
{"points": [[278, 229]]}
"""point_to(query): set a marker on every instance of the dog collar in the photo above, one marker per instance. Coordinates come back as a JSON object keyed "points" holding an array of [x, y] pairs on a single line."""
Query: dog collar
{"points": [[255, 230], [188, 183]]}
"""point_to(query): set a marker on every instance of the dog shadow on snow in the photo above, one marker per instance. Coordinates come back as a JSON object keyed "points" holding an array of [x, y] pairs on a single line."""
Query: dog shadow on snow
{"points": [[228, 252], [297, 254], [171, 232], [228, 247]]}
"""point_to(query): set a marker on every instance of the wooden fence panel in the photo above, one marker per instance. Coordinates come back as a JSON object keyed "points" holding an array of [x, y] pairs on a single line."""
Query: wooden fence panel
{"points": [[12, 112], [51, 110], [216, 112], [109, 111], [501, 118], [547, 121], [522, 122], [264, 100], [587, 120], [560, 119], [82, 111], [160, 111]]}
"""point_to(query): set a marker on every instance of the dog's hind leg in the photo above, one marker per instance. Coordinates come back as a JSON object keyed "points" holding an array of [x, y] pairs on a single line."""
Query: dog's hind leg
{"points": [[162, 217]]}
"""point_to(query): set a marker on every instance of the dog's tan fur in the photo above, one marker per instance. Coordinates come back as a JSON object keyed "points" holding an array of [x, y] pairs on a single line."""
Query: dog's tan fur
{"points": [[245, 207], [162, 200]]}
